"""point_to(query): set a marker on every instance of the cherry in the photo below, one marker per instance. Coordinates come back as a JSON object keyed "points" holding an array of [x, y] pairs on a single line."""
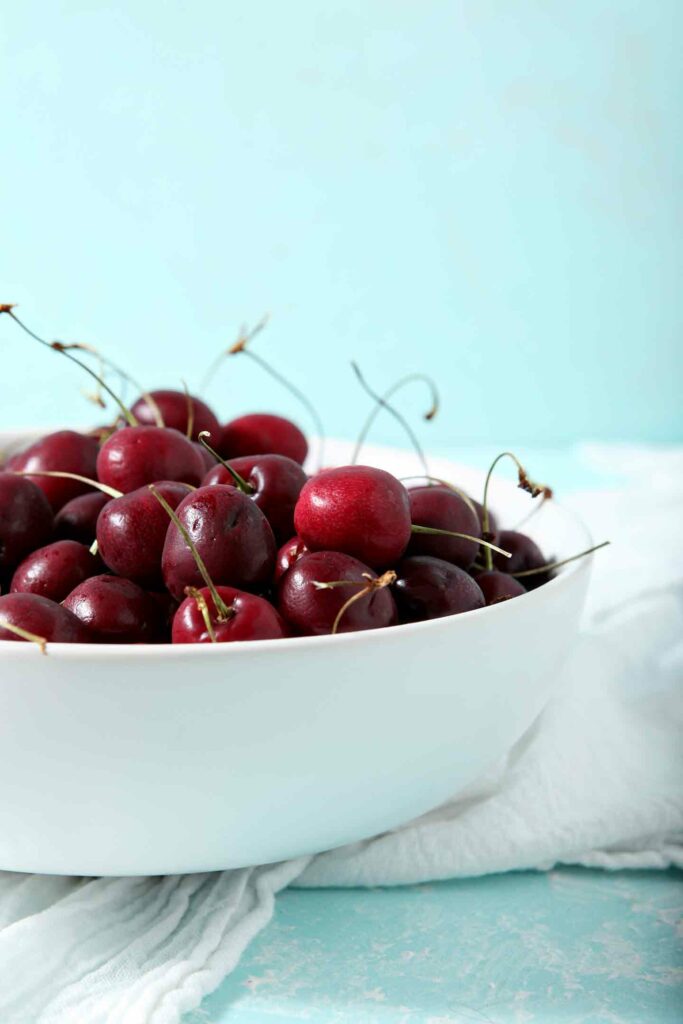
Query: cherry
{"points": [[230, 533], [442, 508], [358, 510], [36, 618], [135, 456], [166, 607], [54, 570], [245, 617], [64, 450], [289, 553], [114, 610], [77, 520], [183, 412], [313, 610], [526, 555], [208, 460], [25, 518], [498, 586], [429, 588], [273, 482], [262, 433], [131, 531]]}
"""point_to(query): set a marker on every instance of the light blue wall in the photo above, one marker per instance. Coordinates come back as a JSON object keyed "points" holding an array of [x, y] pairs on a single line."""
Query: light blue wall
{"points": [[486, 189]]}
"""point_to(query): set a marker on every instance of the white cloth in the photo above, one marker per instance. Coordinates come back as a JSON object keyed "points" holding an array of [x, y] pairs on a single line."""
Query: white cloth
{"points": [[596, 781]]}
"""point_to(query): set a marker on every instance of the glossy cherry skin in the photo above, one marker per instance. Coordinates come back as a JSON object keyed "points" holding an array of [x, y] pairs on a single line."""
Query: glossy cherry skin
{"points": [[77, 520], [290, 552], [66, 451], [311, 611], [135, 456], [359, 510], [232, 536], [114, 610], [131, 531], [262, 433], [25, 518], [252, 618], [526, 554], [498, 586], [429, 588], [39, 615], [173, 406], [54, 570], [443, 509], [276, 482]]}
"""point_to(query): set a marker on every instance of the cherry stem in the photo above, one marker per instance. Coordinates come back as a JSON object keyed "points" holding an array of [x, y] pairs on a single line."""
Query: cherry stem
{"points": [[190, 411], [524, 482], [94, 547], [372, 584], [558, 565], [381, 402], [223, 612], [432, 530], [125, 377], [25, 635], [242, 484], [411, 378], [203, 607], [58, 346], [245, 336], [444, 483], [105, 488]]}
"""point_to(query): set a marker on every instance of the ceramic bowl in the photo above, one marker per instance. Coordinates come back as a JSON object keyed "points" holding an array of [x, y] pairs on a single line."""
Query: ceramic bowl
{"points": [[121, 760]]}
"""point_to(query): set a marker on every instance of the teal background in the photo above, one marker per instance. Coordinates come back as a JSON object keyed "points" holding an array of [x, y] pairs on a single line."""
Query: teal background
{"points": [[489, 190]]}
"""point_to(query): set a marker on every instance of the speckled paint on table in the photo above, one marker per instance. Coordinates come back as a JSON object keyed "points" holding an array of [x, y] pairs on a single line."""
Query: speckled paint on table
{"points": [[568, 946]]}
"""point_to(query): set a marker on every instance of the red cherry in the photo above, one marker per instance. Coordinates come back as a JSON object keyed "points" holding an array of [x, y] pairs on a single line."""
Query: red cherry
{"points": [[54, 570], [77, 520], [310, 610], [66, 451], [275, 482], [131, 531], [359, 510], [289, 553], [232, 536], [173, 406], [525, 553], [429, 588], [261, 433], [114, 610], [25, 518], [249, 618], [498, 586], [135, 456], [44, 618], [443, 509]]}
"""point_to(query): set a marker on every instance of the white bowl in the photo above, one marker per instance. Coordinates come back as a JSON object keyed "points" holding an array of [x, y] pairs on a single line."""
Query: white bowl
{"points": [[128, 759]]}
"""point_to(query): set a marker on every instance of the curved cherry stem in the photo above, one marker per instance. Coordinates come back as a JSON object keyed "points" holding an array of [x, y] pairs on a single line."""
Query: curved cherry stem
{"points": [[242, 484], [381, 403], [33, 638], [372, 583], [105, 488], [558, 565], [58, 346], [124, 376], [223, 612], [203, 607], [524, 482], [434, 531]]}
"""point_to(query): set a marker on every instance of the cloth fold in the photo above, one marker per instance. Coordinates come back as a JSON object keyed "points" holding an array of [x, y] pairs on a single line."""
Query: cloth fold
{"points": [[596, 781]]}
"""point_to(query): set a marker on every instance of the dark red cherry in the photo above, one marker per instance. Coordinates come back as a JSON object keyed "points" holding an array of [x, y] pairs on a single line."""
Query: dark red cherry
{"points": [[135, 456], [275, 482], [525, 553], [429, 588], [174, 409], [443, 509], [249, 618], [290, 552], [498, 586], [233, 538], [310, 610], [77, 520], [42, 617], [166, 607], [54, 570], [131, 532], [261, 433], [65, 451], [359, 510], [114, 610], [25, 518]]}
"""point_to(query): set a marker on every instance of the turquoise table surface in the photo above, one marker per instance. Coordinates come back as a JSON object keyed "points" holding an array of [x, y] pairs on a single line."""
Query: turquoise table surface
{"points": [[567, 946]]}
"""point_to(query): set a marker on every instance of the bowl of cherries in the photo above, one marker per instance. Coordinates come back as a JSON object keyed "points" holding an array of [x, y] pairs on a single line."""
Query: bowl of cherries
{"points": [[215, 652]]}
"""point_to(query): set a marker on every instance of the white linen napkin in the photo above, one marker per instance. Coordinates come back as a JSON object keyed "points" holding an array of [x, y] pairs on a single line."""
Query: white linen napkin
{"points": [[596, 781]]}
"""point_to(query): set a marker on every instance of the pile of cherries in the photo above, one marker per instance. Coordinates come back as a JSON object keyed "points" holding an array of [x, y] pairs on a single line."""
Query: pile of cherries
{"points": [[197, 532]]}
